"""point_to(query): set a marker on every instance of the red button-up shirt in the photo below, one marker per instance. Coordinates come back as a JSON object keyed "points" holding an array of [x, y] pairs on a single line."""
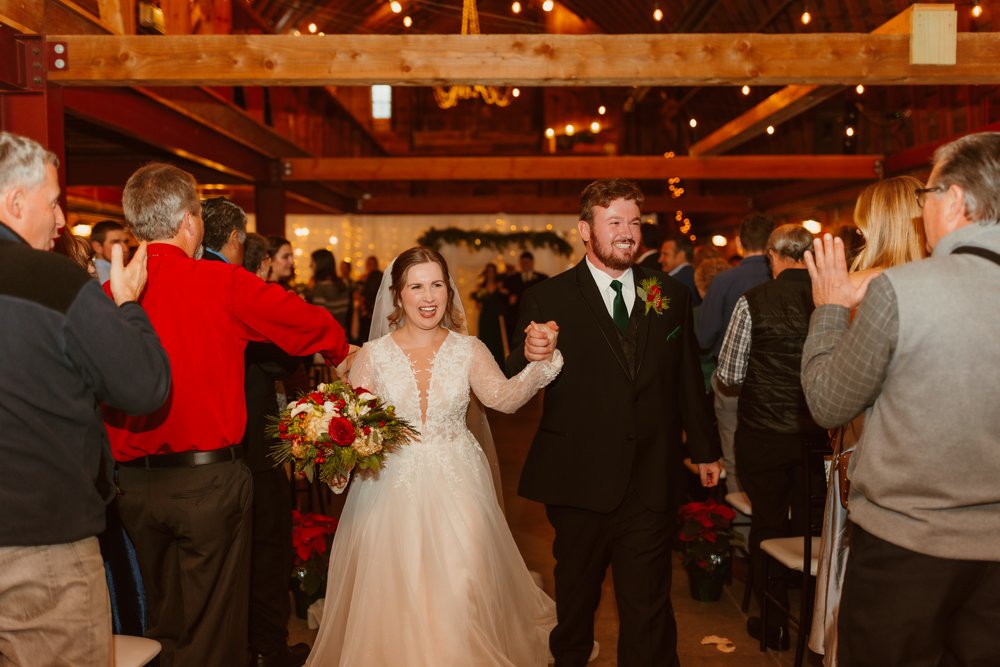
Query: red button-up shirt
{"points": [[205, 313]]}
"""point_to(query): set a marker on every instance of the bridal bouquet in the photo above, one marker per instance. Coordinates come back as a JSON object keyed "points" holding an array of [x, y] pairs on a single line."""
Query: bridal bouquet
{"points": [[337, 428]]}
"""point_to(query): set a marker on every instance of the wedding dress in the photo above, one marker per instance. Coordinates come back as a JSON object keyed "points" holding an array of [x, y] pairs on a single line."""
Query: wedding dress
{"points": [[423, 568]]}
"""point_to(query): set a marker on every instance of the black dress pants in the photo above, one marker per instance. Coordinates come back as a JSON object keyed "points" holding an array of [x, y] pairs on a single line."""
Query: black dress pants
{"points": [[904, 609], [635, 541], [191, 529], [772, 473]]}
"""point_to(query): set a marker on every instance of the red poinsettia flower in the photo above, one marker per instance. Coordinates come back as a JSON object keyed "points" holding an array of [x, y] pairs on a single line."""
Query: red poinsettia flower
{"points": [[309, 534]]}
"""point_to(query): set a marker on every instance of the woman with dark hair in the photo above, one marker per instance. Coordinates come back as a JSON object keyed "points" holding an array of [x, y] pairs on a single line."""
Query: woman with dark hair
{"points": [[326, 288], [282, 260], [491, 297], [423, 569]]}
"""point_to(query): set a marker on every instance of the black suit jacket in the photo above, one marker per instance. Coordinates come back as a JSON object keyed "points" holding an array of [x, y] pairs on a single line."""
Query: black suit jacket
{"points": [[607, 427]]}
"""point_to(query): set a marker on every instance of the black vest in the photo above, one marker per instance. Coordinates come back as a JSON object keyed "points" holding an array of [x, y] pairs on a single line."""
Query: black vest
{"points": [[771, 398]]}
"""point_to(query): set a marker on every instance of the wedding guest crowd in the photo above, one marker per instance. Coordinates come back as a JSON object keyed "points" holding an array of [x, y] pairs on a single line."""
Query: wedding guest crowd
{"points": [[65, 346]]}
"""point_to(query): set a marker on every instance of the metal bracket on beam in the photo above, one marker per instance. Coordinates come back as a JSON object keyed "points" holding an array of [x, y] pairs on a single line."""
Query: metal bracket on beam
{"points": [[58, 55], [22, 62], [286, 168]]}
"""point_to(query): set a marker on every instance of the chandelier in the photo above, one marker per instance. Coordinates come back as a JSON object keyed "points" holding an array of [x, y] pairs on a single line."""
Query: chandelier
{"points": [[449, 97]]}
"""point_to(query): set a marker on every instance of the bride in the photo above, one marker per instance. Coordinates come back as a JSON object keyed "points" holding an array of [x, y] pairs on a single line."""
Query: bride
{"points": [[423, 569]]}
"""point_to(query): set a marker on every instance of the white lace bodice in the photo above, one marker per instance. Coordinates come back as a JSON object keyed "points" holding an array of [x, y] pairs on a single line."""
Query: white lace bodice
{"points": [[433, 395]]}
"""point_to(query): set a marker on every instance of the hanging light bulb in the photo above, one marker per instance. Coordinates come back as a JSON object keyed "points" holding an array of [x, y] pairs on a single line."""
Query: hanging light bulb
{"points": [[312, 28], [806, 17], [407, 21], [548, 5], [516, 8], [516, 92], [770, 129], [549, 132], [601, 110], [745, 89], [570, 130], [977, 10], [595, 127], [395, 7], [693, 122], [657, 13], [860, 89], [849, 131]]}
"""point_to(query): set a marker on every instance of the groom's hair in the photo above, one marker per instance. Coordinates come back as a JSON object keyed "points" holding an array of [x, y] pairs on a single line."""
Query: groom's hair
{"points": [[604, 191]]}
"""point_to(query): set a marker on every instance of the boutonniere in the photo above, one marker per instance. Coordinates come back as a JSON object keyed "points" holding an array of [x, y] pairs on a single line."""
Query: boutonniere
{"points": [[651, 293]]}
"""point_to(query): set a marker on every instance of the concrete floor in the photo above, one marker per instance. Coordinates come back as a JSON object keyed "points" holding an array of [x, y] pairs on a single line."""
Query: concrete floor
{"points": [[533, 534]]}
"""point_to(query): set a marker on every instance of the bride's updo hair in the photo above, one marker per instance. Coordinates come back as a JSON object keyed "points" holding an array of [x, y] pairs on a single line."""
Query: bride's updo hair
{"points": [[400, 267]]}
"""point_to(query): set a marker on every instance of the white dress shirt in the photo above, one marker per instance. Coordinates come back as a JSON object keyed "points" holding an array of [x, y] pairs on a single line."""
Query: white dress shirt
{"points": [[603, 281]]}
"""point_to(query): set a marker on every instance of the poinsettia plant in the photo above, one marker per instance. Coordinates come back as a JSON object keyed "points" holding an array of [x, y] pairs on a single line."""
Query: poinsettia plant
{"points": [[707, 536], [312, 536]]}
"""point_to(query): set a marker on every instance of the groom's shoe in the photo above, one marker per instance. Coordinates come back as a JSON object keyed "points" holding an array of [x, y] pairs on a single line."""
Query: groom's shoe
{"points": [[287, 656], [777, 636]]}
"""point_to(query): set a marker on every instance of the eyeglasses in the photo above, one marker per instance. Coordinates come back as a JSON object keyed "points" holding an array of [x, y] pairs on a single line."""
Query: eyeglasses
{"points": [[922, 193]]}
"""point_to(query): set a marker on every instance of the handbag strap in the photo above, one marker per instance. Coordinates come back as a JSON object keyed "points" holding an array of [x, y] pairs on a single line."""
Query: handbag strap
{"points": [[980, 252]]}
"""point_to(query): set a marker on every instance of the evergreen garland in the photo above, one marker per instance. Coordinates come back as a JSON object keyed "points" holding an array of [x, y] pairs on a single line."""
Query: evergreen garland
{"points": [[499, 241]]}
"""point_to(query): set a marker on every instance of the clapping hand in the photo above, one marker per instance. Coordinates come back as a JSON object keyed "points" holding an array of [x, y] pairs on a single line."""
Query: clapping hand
{"points": [[540, 341], [831, 284], [127, 282]]}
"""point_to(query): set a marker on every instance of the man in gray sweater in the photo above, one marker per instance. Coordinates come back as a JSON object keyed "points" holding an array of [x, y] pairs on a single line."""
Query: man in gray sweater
{"points": [[922, 585]]}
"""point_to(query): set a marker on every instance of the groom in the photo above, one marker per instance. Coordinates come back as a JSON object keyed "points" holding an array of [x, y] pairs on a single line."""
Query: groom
{"points": [[606, 460]]}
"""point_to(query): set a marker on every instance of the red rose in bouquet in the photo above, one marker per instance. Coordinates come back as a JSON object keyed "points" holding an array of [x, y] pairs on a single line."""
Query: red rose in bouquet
{"points": [[341, 431]]}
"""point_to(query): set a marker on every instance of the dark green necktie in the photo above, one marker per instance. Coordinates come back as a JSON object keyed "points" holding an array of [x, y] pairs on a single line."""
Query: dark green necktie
{"points": [[619, 313]]}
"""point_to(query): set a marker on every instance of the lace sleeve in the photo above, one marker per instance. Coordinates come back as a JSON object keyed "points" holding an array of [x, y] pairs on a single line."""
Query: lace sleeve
{"points": [[494, 389], [362, 373]]}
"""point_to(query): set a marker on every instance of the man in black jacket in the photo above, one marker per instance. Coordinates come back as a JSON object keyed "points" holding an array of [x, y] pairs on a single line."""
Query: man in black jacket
{"points": [[606, 460], [64, 346]]}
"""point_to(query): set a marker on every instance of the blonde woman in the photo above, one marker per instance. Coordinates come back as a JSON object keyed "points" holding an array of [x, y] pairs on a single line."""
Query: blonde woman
{"points": [[888, 218]]}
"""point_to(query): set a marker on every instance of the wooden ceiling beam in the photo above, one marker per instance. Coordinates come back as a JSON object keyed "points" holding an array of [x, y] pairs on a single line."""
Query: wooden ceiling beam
{"points": [[541, 60], [542, 205], [743, 167], [794, 99]]}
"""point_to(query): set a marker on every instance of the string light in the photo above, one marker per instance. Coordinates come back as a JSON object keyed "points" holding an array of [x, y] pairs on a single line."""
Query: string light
{"points": [[570, 130], [693, 122], [719, 241], [601, 110], [516, 92], [548, 5], [595, 127], [312, 28], [770, 129], [806, 17], [812, 226], [549, 132], [516, 8], [657, 14], [849, 131], [860, 89], [977, 10], [395, 7], [745, 90], [407, 21]]}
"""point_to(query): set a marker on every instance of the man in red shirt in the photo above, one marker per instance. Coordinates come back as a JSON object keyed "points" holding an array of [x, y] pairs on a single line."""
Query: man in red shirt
{"points": [[185, 490]]}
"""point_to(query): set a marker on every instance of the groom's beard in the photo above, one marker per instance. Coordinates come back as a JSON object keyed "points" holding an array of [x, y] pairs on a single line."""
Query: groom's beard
{"points": [[616, 259]]}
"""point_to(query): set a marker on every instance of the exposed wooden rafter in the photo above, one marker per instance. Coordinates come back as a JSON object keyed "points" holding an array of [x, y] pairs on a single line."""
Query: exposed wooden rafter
{"points": [[549, 60], [743, 167], [795, 99]]}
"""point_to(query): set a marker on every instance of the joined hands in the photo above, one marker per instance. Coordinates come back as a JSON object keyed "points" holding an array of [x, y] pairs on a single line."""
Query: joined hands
{"points": [[540, 341]]}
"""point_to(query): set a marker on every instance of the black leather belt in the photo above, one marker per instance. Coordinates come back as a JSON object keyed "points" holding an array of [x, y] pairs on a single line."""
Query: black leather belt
{"points": [[187, 459]]}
